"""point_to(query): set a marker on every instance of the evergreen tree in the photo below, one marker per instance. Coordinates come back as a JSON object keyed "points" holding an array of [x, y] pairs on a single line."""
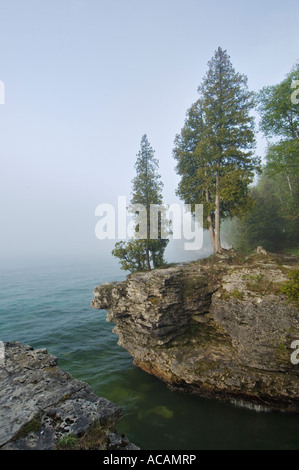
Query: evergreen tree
{"points": [[131, 255], [143, 254], [214, 150]]}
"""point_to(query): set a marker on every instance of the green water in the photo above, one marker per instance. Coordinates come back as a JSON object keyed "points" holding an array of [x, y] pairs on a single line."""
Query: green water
{"points": [[48, 305]]}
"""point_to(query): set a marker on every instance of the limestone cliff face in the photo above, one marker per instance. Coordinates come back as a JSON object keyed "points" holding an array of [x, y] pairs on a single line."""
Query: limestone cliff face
{"points": [[218, 328]]}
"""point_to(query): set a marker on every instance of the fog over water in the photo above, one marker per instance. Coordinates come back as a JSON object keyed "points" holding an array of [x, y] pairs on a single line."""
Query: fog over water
{"points": [[84, 80]]}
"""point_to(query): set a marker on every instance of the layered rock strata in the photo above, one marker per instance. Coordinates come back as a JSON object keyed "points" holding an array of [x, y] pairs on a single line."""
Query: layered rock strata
{"points": [[43, 407], [218, 327]]}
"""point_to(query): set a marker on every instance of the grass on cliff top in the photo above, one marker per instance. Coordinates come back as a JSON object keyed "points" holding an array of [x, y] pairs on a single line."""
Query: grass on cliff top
{"points": [[232, 257], [93, 438], [228, 258], [291, 287], [27, 428]]}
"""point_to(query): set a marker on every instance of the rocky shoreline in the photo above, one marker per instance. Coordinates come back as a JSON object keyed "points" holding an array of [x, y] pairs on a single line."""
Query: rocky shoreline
{"points": [[43, 407], [218, 327]]}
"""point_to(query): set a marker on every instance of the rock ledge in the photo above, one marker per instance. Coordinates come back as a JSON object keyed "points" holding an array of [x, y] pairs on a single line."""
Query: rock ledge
{"points": [[43, 407]]}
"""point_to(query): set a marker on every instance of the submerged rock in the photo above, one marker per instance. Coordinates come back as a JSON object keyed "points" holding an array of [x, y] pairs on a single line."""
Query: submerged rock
{"points": [[218, 328], [43, 407]]}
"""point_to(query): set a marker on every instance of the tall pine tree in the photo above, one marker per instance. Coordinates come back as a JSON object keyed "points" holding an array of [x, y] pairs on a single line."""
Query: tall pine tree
{"points": [[214, 150], [143, 254]]}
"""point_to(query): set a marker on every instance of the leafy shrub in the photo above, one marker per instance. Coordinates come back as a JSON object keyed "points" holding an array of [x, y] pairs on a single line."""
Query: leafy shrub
{"points": [[291, 287], [68, 442]]}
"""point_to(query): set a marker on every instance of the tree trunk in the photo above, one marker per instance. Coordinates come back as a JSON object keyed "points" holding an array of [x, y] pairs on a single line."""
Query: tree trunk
{"points": [[148, 229], [154, 259], [217, 217], [212, 235], [148, 264], [212, 232], [210, 223], [290, 186]]}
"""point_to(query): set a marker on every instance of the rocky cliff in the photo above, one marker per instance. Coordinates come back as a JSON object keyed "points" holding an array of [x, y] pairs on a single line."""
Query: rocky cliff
{"points": [[43, 407], [219, 327]]}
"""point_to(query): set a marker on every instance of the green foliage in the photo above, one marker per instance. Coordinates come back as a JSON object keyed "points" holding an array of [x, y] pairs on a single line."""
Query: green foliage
{"points": [[31, 426], [274, 219], [258, 278], [131, 255], [280, 119], [142, 254], [291, 287], [214, 150], [283, 158], [93, 439], [68, 442], [264, 224], [237, 294], [292, 251], [283, 170], [279, 115], [234, 294], [147, 187], [264, 286]]}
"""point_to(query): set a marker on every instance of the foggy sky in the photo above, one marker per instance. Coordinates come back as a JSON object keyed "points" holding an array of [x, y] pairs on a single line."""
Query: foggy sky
{"points": [[84, 80]]}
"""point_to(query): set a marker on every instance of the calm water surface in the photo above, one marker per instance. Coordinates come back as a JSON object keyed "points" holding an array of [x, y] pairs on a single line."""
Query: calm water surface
{"points": [[47, 304]]}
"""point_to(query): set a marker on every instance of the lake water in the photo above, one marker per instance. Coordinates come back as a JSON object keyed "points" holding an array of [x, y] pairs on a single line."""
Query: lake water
{"points": [[47, 305]]}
